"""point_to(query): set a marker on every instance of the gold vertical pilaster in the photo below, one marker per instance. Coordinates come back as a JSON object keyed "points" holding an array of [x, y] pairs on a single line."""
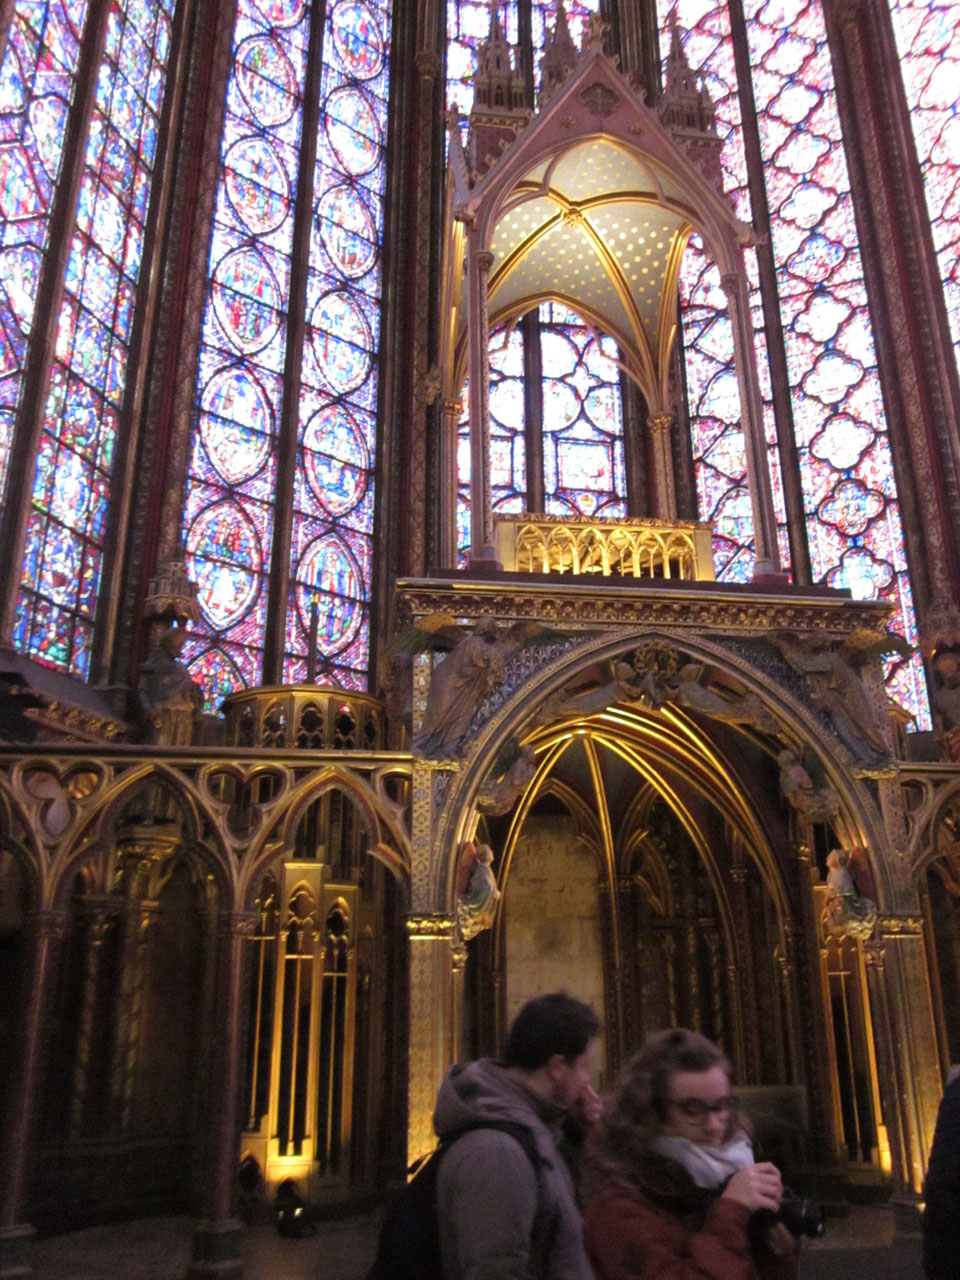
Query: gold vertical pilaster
{"points": [[432, 1023], [908, 1064]]}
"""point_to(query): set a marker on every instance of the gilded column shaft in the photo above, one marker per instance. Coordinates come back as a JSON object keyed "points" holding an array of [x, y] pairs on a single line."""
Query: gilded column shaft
{"points": [[908, 1064], [432, 1024], [98, 927]]}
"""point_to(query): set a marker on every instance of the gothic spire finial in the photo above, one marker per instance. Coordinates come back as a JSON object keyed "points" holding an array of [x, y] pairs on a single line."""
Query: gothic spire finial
{"points": [[559, 54]]}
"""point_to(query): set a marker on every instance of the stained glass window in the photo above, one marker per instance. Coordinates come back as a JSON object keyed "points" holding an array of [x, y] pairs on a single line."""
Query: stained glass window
{"points": [[926, 33], [508, 459], [333, 500], [853, 521], [228, 518], [582, 421], [229, 521], [581, 413], [36, 88], [71, 489], [714, 405]]}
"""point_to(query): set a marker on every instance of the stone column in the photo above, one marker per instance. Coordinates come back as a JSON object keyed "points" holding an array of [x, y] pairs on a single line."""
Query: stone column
{"points": [[751, 410], [449, 423], [216, 1241], [664, 488], [479, 262], [99, 920], [908, 1062], [45, 934], [432, 1023]]}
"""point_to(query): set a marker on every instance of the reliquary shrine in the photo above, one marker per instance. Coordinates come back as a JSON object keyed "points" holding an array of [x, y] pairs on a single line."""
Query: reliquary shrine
{"points": [[480, 517]]}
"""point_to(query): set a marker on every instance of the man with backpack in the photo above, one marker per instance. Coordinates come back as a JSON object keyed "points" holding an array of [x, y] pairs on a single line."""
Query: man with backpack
{"points": [[506, 1205]]}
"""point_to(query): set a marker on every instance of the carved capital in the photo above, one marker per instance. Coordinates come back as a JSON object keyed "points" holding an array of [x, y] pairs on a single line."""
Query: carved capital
{"points": [[430, 926], [846, 13], [46, 923], [237, 924], [660, 423], [900, 926], [729, 283], [484, 261], [428, 65]]}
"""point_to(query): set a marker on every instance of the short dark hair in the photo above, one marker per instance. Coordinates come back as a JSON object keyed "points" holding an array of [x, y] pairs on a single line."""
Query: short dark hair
{"points": [[554, 1023]]}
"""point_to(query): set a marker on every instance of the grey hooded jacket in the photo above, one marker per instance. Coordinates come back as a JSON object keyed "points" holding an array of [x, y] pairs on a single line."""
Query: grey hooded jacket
{"points": [[499, 1217]]}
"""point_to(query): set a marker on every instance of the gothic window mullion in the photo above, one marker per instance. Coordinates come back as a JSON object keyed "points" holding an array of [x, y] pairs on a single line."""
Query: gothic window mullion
{"points": [[279, 578], [533, 405], [28, 426], [776, 351]]}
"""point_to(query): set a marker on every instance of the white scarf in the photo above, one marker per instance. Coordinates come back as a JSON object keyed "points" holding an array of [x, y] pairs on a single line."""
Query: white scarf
{"points": [[707, 1166]]}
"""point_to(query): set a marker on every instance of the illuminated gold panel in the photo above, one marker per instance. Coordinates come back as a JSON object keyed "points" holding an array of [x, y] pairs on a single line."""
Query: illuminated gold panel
{"points": [[614, 548]]}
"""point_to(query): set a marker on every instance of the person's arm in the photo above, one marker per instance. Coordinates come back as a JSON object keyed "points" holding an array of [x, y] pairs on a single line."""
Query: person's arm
{"points": [[629, 1240], [941, 1192], [486, 1205]]}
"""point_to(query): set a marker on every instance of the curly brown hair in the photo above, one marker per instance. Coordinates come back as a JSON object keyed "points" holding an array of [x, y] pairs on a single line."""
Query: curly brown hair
{"points": [[619, 1147]]}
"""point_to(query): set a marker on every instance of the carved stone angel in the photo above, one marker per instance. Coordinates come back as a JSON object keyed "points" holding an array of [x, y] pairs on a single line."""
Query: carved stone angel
{"points": [[499, 795], [815, 804], [475, 661], [834, 684]]}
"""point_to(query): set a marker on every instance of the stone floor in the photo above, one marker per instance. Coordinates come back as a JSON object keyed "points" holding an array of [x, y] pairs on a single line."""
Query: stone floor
{"points": [[860, 1246]]}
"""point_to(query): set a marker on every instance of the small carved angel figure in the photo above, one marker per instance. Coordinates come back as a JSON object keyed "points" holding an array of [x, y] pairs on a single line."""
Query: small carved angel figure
{"points": [[477, 905], [816, 804], [848, 906], [499, 796]]}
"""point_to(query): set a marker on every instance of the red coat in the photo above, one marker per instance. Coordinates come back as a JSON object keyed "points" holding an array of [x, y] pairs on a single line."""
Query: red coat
{"points": [[628, 1237]]}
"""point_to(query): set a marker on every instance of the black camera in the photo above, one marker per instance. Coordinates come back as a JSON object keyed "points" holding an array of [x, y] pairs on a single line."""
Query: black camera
{"points": [[802, 1217]]}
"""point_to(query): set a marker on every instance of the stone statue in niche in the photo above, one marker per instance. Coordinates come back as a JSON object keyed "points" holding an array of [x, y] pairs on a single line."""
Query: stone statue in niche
{"points": [[814, 804], [170, 699], [849, 909], [477, 905], [498, 796]]}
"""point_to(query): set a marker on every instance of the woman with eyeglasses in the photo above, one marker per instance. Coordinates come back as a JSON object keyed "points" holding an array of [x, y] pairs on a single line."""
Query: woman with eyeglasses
{"points": [[672, 1182]]}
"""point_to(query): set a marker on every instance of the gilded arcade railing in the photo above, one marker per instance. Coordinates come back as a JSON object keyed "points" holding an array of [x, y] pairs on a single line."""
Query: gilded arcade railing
{"points": [[647, 548]]}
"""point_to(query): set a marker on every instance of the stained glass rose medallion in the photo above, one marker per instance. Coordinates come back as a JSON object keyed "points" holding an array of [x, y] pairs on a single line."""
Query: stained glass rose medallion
{"points": [[257, 185], [348, 231], [329, 572], [246, 298], [336, 459], [267, 81], [353, 130], [359, 40], [236, 423], [224, 559], [341, 342]]}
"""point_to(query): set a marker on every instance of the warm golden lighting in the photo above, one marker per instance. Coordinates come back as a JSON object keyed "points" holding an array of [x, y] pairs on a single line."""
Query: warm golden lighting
{"points": [[611, 549]]}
